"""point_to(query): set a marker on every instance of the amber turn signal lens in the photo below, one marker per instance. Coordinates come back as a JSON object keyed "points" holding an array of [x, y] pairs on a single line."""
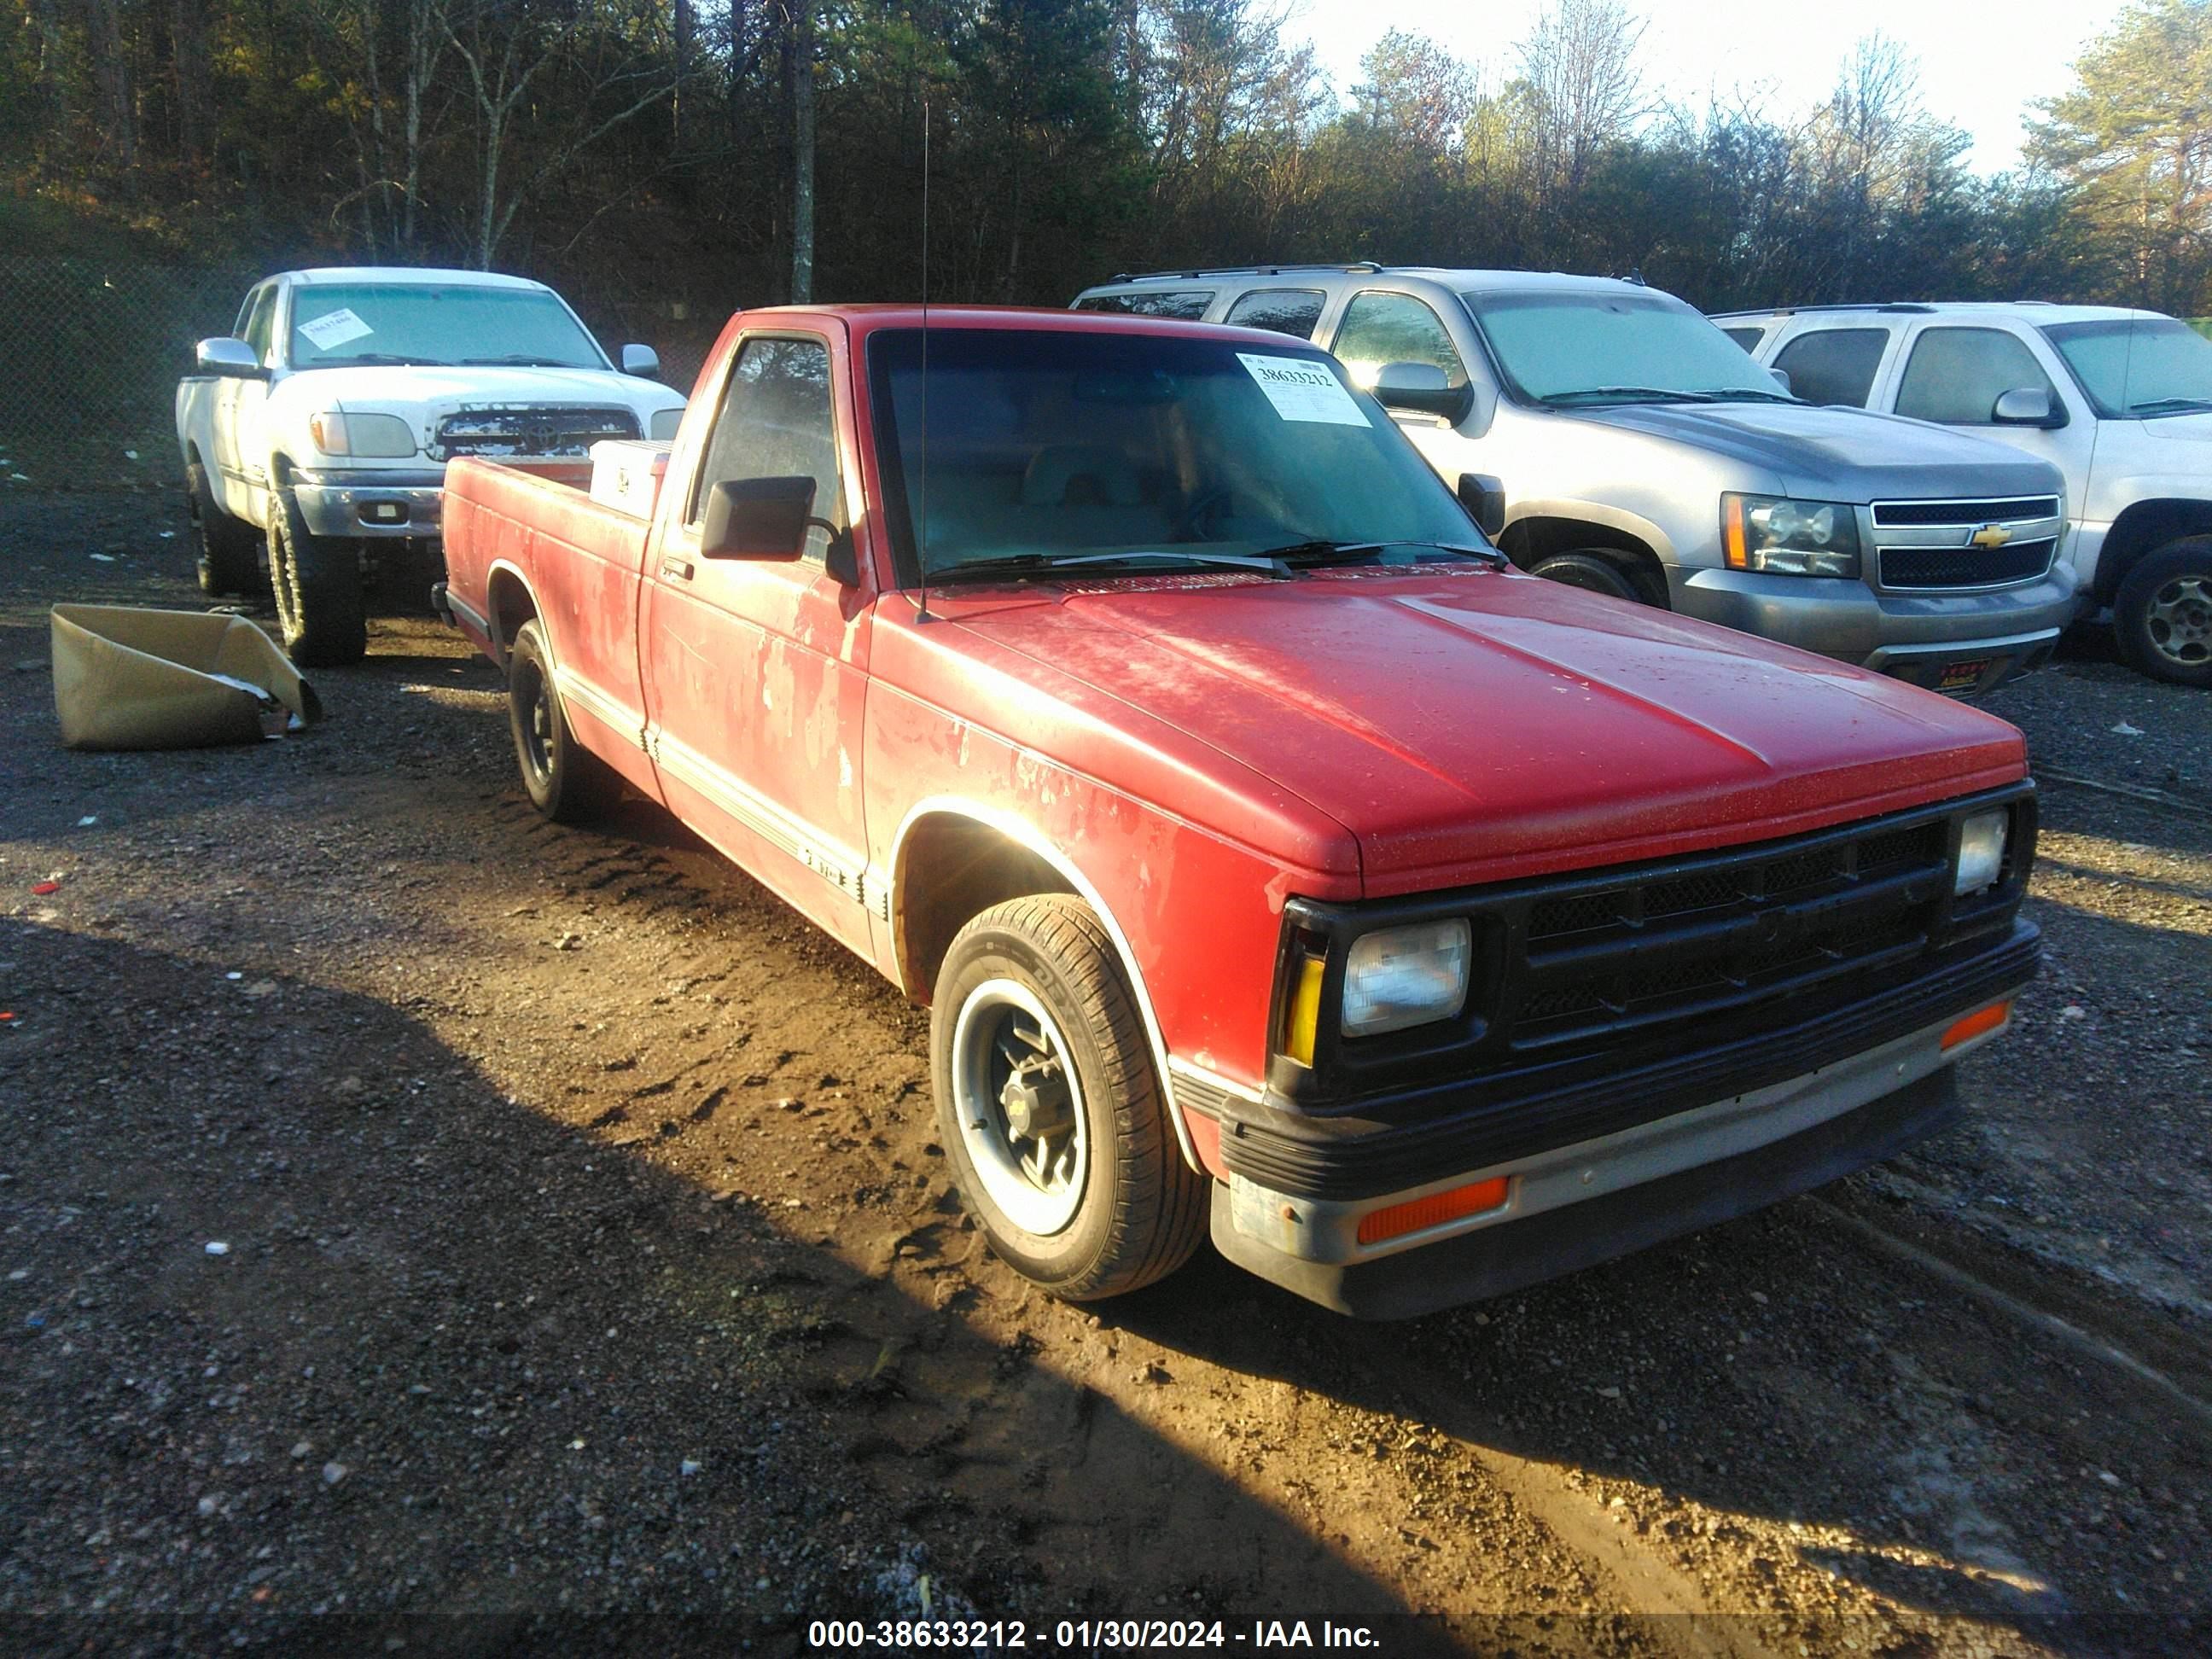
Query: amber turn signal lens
{"points": [[1415, 1214], [1735, 546], [1981, 1020], [1305, 1012]]}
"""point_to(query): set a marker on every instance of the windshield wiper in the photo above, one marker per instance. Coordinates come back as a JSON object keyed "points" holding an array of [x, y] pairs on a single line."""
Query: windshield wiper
{"points": [[518, 359], [2169, 405], [1629, 394], [1733, 394], [382, 359], [1029, 564], [1306, 555]]}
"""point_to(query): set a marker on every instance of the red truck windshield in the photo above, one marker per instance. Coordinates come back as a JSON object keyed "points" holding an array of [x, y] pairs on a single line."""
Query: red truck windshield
{"points": [[1052, 443]]}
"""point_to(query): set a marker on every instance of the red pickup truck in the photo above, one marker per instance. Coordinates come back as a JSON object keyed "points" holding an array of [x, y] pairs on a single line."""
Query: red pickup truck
{"points": [[1273, 861]]}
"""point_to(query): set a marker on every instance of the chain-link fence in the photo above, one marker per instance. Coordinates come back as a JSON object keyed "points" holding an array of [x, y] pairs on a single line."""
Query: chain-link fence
{"points": [[90, 355]]}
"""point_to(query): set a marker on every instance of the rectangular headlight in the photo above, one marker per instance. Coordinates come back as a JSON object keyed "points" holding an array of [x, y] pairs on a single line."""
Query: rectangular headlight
{"points": [[337, 432], [1402, 976], [1786, 537], [1981, 852]]}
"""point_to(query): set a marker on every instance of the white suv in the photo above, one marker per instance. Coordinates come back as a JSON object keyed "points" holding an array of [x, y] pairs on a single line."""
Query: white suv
{"points": [[2120, 401]]}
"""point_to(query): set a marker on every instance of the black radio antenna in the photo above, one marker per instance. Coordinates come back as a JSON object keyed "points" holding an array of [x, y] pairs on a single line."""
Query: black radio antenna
{"points": [[921, 550]]}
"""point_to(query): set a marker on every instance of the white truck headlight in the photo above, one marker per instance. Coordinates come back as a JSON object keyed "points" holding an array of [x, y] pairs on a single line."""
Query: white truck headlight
{"points": [[1981, 852], [1402, 976], [336, 432], [661, 428]]}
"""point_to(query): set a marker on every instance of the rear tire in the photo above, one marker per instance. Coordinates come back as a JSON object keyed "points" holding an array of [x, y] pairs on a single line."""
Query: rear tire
{"points": [[565, 781], [1593, 573], [2162, 613], [1049, 1107], [228, 550], [319, 603]]}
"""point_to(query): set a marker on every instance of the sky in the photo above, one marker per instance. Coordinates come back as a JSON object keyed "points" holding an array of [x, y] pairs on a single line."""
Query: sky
{"points": [[1980, 62]]}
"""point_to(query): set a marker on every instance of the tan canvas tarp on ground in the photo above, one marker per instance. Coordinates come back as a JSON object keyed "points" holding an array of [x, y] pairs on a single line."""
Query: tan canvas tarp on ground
{"points": [[129, 678]]}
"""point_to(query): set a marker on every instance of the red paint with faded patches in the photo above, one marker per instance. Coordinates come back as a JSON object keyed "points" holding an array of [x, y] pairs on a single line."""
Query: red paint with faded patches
{"points": [[1189, 750]]}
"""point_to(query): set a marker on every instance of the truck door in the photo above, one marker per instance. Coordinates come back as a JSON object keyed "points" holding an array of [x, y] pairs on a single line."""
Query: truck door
{"points": [[755, 670], [240, 467]]}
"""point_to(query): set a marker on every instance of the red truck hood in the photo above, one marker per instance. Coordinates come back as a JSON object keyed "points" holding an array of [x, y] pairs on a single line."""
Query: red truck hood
{"points": [[1469, 726]]}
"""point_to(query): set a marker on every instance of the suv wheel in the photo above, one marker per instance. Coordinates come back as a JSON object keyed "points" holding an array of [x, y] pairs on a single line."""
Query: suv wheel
{"points": [[2163, 613], [1594, 573]]}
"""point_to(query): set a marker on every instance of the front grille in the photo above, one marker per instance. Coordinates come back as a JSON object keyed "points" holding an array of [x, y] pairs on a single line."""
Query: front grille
{"points": [[1939, 512], [1965, 567], [1594, 964], [529, 430]]}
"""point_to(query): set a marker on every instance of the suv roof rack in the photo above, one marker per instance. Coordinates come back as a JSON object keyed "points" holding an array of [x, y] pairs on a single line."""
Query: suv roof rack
{"points": [[1352, 265], [1862, 305]]}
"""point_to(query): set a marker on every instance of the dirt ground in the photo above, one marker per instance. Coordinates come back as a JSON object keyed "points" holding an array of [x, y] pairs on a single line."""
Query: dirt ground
{"points": [[588, 1252]]}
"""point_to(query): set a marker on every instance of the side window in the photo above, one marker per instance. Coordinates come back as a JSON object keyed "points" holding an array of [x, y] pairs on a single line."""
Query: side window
{"points": [[260, 321], [1748, 338], [1279, 310], [775, 422], [1381, 327], [1184, 305], [1956, 375], [1834, 365]]}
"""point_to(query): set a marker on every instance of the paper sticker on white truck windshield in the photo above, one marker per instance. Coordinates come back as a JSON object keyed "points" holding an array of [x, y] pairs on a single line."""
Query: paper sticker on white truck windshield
{"points": [[1302, 389], [335, 328]]}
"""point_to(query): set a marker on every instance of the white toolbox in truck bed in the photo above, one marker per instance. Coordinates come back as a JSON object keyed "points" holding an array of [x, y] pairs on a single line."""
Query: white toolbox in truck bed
{"points": [[626, 474]]}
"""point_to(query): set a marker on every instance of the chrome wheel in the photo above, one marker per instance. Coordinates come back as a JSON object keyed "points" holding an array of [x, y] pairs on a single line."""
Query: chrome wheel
{"points": [[2179, 620], [1019, 1107]]}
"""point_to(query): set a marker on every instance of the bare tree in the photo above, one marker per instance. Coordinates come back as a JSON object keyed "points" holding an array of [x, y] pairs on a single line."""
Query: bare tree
{"points": [[1578, 67], [113, 103]]}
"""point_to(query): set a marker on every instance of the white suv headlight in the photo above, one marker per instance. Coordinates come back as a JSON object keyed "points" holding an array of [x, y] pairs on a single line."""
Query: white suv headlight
{"points": [[1981, 852], [337, 432], [1402, 976]]}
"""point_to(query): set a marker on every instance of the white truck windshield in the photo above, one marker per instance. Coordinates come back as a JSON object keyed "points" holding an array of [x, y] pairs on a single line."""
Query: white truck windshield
{"points": [[335, 324]]}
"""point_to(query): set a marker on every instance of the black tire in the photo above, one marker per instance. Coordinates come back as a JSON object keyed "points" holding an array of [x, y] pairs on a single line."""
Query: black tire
{"points": [[2162, 614], [1142, 1209], [228, 550], [1594, 573], [317, 578], [565, 781]]}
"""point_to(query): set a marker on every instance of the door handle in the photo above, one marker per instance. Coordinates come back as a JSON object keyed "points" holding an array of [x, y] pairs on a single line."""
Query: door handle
{"points": [[676, 570]]}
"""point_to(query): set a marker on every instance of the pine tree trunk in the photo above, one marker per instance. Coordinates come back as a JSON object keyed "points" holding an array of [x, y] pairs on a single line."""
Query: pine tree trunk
{"points": [[111, 85], [194, 99], [802, 158]]}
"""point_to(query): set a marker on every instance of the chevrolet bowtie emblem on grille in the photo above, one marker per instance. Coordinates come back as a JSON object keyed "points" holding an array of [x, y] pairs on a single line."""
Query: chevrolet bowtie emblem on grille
{"points": [[1991, 536]]}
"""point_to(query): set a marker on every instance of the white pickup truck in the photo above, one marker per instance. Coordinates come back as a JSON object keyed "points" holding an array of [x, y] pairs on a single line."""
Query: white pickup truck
{"points": [[321, 428]]}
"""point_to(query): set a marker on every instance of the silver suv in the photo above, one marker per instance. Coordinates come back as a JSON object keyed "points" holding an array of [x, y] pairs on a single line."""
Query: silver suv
{"points": [[1641, 455], [2119, 401]]}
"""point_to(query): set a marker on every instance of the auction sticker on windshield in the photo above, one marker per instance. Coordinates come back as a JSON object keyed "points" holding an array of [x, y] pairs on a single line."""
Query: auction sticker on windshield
{"points": [[1302, 389], [335, 328]]}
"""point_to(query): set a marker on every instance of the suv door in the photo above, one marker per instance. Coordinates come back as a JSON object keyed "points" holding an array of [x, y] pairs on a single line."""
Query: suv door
{"points": [[1380, 326], [755, 670], [1953, 372], [1834, 363]]}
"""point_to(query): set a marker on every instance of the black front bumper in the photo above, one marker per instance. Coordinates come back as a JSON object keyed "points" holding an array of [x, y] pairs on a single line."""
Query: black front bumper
{"points": [[1495, 1261]]}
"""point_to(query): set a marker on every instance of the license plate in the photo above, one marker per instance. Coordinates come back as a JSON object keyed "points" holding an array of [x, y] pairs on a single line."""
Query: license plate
{"points": [[1963, 676]]}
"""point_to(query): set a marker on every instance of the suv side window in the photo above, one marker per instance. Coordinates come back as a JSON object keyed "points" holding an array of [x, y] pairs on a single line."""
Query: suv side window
{"points": [[1956, 375], [1279, 310], [1182, 304], [1381, 327], [1834, 365], [1748, 338], [775, 422]]}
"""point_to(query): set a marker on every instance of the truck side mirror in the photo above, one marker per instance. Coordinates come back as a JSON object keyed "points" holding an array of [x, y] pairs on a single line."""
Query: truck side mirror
{"points": [[1483, 497], [1424, 388], [1781, 378], [2025, 405], [757, 519], [641, 361], [226, 357]]}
